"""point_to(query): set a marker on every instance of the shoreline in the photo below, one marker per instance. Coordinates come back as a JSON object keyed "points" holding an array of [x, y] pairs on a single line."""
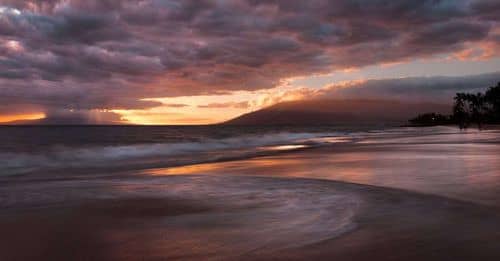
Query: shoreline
{"points": [[167, 225], [391, 196]]}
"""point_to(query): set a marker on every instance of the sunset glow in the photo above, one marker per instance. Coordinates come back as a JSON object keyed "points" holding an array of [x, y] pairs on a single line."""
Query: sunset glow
{"points": [[132, 61], [249, 130], [21, 117]]}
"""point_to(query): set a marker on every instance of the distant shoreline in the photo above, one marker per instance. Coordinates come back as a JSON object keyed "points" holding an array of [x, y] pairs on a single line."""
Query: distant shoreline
{"points": [[484, 127]]}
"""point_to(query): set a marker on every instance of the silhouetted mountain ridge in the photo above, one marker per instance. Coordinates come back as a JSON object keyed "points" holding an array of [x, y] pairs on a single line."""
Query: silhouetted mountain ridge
{"points": [[338, 112]]}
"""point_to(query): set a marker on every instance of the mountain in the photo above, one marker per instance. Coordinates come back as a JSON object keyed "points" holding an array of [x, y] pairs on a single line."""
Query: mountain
{"points": [[338, 112]]}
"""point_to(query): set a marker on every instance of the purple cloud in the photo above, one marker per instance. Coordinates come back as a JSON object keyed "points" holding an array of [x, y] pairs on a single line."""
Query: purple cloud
{"points": [[111, 54]]}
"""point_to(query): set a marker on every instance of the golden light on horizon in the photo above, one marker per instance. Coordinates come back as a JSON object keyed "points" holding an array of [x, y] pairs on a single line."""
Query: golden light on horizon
{"points": [[21, 117], [148, 117], [213, 109], [189, 110]]}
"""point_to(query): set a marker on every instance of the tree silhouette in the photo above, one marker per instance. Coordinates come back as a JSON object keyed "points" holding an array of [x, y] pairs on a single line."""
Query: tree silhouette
{"points": [[477, 108], [468, 108], [492, 98], [431, 119], [476, 104], [460, 112]]}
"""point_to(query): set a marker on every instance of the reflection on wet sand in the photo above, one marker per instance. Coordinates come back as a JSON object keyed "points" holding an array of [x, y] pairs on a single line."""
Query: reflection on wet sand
{"points": [[193, 217], [300, 205], [458, 166]]}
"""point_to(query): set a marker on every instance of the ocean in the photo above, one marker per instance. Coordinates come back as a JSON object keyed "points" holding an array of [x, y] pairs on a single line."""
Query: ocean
{"points": [[29, 149], [248, 193]]}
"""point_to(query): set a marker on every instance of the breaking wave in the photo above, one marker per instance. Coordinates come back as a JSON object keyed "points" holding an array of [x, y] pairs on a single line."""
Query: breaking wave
{"points": [[161, 154]]}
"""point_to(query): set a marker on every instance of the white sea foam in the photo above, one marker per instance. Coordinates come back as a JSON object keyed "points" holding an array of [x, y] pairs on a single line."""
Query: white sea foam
{"points": [[167, 153]]}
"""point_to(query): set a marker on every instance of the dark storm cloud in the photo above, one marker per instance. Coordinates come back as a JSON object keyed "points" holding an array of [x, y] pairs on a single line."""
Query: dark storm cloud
{"points": [[446, 34], [437, 89], [487, 9], [80, 117], [95, 54]]}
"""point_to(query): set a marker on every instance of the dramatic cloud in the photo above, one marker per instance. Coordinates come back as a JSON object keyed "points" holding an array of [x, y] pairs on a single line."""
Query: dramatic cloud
{"points": [[416, 89], [238, 105], [85, 55], [81, 117]]}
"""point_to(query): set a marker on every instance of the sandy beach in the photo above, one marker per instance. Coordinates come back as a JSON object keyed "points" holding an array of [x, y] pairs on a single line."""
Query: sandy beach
{"points": [[386, 197], [229, 218]]}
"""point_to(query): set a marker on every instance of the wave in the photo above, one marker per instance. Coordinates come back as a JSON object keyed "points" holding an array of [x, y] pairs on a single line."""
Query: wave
{"points": [[165, 154], [162, 153]]}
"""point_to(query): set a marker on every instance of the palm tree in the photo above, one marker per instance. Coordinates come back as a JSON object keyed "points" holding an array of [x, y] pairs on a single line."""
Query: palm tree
{"points": [[460, 112], [477, 108], [492, 98]]}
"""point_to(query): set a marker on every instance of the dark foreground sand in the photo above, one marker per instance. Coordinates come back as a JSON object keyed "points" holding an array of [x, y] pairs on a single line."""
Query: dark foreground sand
{"points": [[237, 218]]}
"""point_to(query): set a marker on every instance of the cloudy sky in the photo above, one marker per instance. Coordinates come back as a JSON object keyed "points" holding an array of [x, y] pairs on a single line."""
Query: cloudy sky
{"points": [[204, 61]]}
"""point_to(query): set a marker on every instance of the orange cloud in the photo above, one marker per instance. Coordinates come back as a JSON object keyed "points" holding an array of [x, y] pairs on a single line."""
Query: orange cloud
{"points": [[21, 117], [478, 52]]}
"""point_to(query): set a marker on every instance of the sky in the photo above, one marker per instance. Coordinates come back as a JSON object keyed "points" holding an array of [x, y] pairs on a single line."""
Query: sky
{"points": [[206, 61]]}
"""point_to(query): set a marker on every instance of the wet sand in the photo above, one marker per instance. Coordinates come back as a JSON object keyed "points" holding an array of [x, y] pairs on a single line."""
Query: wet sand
{"points": [[433, 197], [235, 218], [459, 166]]}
